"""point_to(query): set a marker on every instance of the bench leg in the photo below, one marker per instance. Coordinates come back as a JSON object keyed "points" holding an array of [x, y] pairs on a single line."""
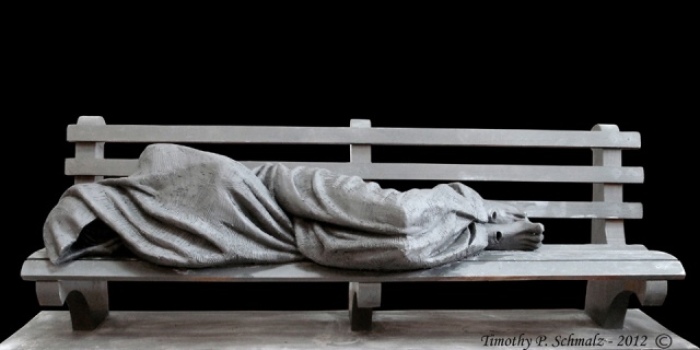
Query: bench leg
{"points": [[607, 301], [362, 298], [88, 301]]}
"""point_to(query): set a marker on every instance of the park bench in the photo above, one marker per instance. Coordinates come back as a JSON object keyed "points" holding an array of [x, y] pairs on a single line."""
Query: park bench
{"points": [[613, 269]]}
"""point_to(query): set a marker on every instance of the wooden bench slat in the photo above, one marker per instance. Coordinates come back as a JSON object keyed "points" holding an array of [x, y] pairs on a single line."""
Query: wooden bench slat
{"points": [[550, 263], [416, 171], [347, 135]]}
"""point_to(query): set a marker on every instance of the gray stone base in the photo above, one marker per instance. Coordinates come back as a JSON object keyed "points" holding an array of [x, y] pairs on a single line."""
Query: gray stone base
{"points": [[415, 329]]}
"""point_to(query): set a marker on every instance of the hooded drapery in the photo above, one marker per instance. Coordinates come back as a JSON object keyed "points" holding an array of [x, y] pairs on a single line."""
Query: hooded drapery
{"points": [[191, 209]]}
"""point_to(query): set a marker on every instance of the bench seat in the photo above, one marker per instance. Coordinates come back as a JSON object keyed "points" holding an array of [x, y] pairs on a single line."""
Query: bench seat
{"points": [[550, 262]]}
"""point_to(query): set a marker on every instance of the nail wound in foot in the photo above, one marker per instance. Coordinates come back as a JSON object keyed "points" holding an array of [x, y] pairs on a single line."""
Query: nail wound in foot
{"points": [[518, 235]]}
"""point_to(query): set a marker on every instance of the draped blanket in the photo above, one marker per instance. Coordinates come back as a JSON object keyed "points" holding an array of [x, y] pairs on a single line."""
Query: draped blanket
{"points": [[191, 209]]}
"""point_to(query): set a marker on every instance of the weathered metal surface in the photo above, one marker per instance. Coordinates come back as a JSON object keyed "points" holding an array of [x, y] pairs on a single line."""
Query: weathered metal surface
{"points": [[419, 329], [350, 135]]}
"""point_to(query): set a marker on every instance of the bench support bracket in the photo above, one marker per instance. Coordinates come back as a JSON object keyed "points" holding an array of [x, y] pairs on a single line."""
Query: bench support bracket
{"points": [[363, 297], [607, 301], [88, 301]]}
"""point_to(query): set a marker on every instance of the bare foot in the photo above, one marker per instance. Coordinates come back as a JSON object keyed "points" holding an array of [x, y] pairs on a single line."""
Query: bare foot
{"points": [[518, 235]]}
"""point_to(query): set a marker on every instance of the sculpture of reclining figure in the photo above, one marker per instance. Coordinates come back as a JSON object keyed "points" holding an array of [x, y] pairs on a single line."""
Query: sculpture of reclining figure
{"points": [[192, 209]]}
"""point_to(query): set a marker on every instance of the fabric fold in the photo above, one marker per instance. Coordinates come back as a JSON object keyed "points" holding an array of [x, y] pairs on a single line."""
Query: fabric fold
{"points": [[192, 209]]}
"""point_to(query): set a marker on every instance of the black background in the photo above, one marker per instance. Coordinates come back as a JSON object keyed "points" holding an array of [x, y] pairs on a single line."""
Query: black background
{"points": [[571, 80]]}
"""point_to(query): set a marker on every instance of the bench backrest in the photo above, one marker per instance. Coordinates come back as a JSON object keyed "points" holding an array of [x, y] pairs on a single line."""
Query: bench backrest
{"points": [[606, 209]]}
